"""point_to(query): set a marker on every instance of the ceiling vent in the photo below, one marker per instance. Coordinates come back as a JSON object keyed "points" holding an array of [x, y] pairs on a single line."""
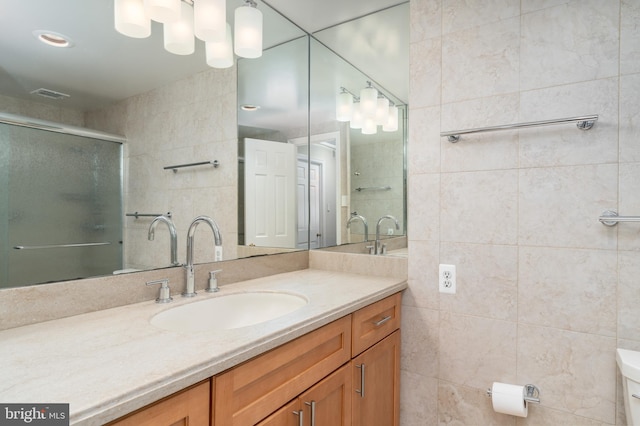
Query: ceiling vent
{"points": [[51, 94]]}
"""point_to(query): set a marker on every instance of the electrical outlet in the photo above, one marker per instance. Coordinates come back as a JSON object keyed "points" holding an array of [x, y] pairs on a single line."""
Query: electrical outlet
{"points": [[447, 278]]}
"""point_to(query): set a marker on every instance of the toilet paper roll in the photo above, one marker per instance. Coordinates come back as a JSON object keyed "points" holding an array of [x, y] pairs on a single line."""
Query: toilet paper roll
{"points": [[509, 399]]}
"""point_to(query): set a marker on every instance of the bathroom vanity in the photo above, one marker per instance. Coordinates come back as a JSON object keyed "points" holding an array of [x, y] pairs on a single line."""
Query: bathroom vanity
{"points": [[114, 366]]}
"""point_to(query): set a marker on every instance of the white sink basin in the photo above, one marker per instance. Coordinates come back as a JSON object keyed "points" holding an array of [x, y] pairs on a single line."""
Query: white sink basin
{"points": [[228, 312]]}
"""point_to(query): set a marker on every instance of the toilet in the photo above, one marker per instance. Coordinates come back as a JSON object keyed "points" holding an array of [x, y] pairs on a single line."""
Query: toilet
{"points": [[629, 365]]}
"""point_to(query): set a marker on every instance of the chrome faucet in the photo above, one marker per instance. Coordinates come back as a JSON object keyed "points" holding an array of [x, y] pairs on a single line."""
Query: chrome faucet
{"points": [[378, 248], [172, 232], [190, 290], [355, 217]]}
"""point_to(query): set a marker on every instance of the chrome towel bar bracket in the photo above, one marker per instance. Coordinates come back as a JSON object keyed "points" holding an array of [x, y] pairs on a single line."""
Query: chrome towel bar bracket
{"points": [[585, 122], [611, 218]]}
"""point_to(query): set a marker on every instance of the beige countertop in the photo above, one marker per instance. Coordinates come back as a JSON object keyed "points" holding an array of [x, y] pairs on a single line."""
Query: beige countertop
{"points": [[108, 363]]}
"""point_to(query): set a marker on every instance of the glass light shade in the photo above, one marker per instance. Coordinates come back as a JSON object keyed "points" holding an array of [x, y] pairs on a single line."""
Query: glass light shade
{"points": [[248, 32], [356, 117], [369, 127], [369, 101], [210, 20], [344, 106], [178, 36], [163, 10], [220, 53], [392, 122], [382, 111], [131, 19]]}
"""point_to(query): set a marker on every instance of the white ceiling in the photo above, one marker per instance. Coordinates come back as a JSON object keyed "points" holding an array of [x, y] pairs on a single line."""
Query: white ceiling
{"points": [[316, 15], [105, 66]]}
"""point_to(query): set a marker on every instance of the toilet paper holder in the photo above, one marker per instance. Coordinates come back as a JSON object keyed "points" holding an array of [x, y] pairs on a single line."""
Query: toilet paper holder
{"points": [[530, 393]]}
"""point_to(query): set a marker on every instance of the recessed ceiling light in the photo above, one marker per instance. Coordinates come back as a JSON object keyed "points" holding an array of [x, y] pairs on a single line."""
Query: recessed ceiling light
{"points": [[249, 107], [53, 39]]}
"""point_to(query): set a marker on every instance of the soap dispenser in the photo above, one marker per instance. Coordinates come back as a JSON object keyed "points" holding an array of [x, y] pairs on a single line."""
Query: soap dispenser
{"points": [[213, 281]]}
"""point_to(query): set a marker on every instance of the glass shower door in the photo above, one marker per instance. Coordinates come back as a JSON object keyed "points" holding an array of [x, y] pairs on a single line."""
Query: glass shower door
{"points": [[61, 206]]}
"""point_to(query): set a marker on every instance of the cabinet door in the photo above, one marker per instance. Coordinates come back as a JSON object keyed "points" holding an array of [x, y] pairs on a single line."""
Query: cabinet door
{"points": [[376, 384], [328, 403], [189, 407]]}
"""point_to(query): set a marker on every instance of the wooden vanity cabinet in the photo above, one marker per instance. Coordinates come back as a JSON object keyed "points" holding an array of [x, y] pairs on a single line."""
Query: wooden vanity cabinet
{"points": [[189, 407]]}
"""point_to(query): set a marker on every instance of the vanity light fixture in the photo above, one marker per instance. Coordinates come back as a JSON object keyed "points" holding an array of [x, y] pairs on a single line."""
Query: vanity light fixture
{"points": [[382, 111], [344, 105], [163, 11], [392, 123], [210, 20], [369, 127], [184, 20], [357, 119], [249, 108], [178, 35], [220, 53], [369, 100], [248, 30], [131, 18], [367, 112]]}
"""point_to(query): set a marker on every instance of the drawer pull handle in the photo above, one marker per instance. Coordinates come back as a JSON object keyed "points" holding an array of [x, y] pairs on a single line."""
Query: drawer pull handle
{"points": [[635, 395], [361, 390], [312, 404], [382, 321], [300, 415]]}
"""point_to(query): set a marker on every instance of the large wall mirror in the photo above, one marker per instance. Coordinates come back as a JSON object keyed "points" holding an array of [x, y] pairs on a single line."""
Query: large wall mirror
{"points": [[287, 103], [175, 110]]}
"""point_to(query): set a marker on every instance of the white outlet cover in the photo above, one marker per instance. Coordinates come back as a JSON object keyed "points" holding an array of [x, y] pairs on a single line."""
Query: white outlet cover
{"points": [[447, 278]]}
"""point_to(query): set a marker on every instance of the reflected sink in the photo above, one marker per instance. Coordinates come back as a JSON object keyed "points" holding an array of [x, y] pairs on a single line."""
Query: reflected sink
{"points": [[228, 312]]}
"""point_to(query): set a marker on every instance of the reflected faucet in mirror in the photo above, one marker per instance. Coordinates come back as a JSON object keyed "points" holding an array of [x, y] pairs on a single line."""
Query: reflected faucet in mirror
{"points": [[381, 248], [173, 236], [190, 289], [355, 217]]}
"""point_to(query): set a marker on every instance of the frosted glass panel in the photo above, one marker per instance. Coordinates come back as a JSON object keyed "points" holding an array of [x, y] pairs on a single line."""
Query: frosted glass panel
{"points": [[58, 189]]}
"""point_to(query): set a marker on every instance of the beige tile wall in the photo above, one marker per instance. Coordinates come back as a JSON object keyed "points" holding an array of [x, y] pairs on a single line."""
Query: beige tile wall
{"points": [[545, 292]]}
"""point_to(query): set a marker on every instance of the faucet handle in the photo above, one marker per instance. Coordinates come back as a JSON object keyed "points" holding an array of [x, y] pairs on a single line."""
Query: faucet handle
{"points": [[213, 281], [165, 292]]}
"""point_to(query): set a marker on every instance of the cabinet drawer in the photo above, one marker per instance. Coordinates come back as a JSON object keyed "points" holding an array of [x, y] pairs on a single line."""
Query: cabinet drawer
{"points": [[251, 391], [374, 322]]}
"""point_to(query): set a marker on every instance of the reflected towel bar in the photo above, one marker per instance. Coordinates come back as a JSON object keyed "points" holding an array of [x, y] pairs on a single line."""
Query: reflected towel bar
{"points": [[374, 188], [215, 163], [611, 218], [137, 215], [584, 122], [61, 246]]}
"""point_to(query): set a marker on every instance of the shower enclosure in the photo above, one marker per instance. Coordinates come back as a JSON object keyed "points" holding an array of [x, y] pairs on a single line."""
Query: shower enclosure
{"points": [[60, 205]]}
